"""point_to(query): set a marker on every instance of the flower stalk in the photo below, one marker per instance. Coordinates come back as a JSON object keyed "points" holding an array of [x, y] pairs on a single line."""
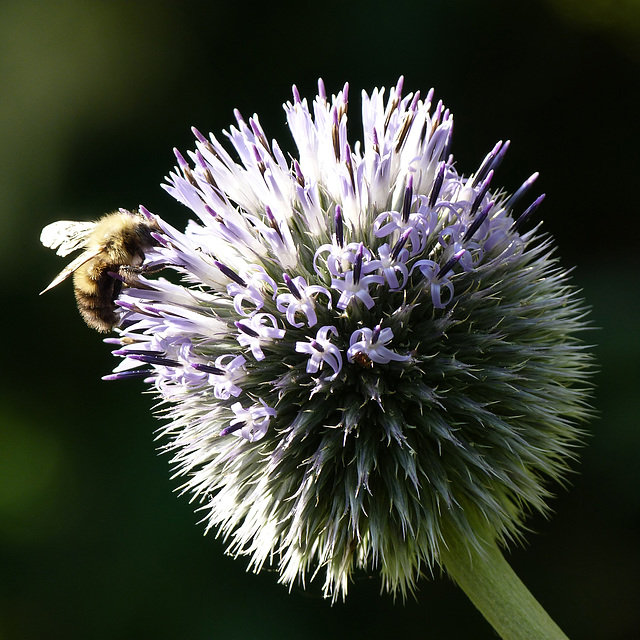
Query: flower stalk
{"points": [[497, 592]]}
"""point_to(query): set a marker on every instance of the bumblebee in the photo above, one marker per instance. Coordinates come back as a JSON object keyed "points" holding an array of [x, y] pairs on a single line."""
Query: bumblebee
{"points": [[113, 244]]}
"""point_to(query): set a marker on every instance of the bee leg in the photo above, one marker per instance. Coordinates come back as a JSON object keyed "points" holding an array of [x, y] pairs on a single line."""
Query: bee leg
{"points": [[128, 274], [158, 267]]}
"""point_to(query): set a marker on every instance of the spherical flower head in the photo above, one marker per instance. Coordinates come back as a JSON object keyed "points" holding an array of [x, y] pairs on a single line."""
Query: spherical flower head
{"points": [[367, 351]]}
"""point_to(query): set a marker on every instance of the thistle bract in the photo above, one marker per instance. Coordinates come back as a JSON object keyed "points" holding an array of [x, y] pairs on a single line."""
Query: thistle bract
{"points": [[366, 351]]}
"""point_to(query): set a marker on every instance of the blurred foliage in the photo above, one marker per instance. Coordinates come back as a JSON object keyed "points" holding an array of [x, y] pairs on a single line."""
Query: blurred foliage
{"points": [[617, 19], [94, 543]]}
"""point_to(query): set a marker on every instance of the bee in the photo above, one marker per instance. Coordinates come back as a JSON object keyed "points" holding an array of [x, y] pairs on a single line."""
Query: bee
{"points": [[113, 244], [362, 359]]}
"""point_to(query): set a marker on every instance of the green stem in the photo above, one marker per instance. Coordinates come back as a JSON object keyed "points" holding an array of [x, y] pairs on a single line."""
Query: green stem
{"points": [[494, 588]]}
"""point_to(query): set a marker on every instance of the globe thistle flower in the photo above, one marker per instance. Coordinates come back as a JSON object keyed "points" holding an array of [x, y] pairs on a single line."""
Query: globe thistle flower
{"points": [[370, 359]]}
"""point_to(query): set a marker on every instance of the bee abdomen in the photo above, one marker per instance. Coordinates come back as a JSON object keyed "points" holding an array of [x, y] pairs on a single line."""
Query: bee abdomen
{"points": [[95, 292]]}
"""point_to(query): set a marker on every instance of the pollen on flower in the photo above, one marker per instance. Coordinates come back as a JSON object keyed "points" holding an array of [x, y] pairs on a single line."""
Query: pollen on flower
{"points": [[367, 350]]}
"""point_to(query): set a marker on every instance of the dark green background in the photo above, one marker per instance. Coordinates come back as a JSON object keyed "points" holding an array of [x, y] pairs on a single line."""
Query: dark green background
{"points": [[94, 543]]}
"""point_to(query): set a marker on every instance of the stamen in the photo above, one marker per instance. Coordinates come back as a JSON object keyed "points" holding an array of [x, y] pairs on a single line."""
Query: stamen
{"points": [[130, 373], [357, 266], [446, 151], [185, 169], [207, 368], [527, 214], [436, 120], [140, 352], [273, 223], [477, 222], [517, 196], [395, 252], [262, 167], [230, 273], [482, 193], [258, 133], [437, 185], [347, 160], [501, 154], [292, 287], [487, 164], [335, 134], [339, 226], [150, 359], [299, 175], [393, 103], [344, 106], [408, 196], [407, 122], [376, 144], [450, 263], [204, 166], [317, 346], [232, 428], [248, 330]]}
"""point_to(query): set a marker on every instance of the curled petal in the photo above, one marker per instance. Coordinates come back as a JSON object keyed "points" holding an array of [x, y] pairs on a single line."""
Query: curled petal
{"points": [[254, 332], [302, 301], [372, 343], [431, 270], [321, 351], [252, 423], [350, 290]]}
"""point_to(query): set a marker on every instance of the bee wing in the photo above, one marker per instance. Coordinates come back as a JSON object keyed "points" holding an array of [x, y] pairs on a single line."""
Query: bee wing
{"points": [[73, 266], [66, 235]]}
